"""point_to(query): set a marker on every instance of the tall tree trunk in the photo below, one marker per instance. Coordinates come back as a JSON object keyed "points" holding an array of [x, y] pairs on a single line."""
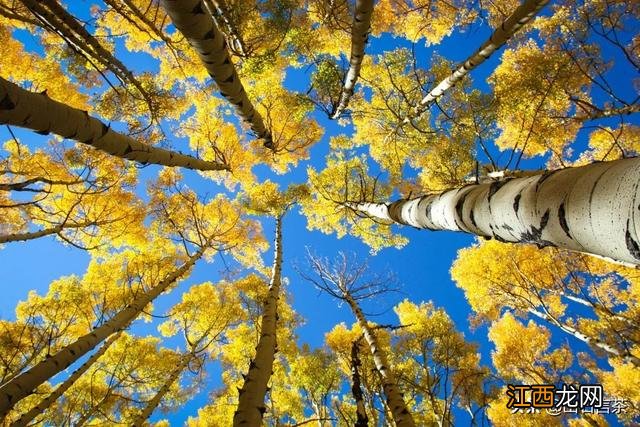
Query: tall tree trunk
{"points": [[63, 21], [25, 384], [45, 403], [395, 401], [595, 343], [219, 12], [592, 209], [192, 20], [157, 398], [38, 112], [359, 36], [251, 405], [362, 420], [31, 235], [523, 14]]}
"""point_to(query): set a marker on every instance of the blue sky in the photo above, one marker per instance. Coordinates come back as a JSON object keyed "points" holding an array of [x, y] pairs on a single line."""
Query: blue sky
{"points": [[422, 266]]}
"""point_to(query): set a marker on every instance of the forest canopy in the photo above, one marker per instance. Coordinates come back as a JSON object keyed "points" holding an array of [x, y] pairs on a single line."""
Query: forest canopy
{"points": [[318, 212]]}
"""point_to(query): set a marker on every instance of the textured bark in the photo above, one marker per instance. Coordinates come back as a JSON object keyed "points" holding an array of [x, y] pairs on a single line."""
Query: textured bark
{"points": [[252, 394], [523, 14], [38, 112], [63, 21], [192, 20], [395, 401], [359, 36], [220, 13], [362, 420], [45, 403], [25, 384], [31, 235], [157, 398], [595, 343], [593, 209]]}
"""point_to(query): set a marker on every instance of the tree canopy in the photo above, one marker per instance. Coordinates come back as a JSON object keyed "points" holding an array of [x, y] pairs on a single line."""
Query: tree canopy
{"points": [[189, 190]]}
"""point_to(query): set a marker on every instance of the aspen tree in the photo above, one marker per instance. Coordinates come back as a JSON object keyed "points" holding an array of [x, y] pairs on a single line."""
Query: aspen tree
{"points": [[192, 19], [345, 281]]}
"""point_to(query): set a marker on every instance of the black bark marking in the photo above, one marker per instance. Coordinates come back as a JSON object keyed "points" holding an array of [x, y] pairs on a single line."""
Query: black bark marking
{"points": [[42, 132], [535, 234], [104, 129], [507, 227], [562, 217], [198, 9], [495, 187], [210, 35], [544, 177], [632, 245], [460, 206], [7, 103], [516, 202], [472, 217], [127, 150]]}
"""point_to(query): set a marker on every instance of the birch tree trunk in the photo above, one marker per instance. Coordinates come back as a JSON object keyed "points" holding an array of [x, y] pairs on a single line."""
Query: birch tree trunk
{"points": [[25, 384], [523, 14], [219, 12], [63, 22], [45, 403], [190, 17], [251, 405], [593, 209], [595, 343], [395, 401], [359, 35], [38, 112], [362, 420], [157, 398]]}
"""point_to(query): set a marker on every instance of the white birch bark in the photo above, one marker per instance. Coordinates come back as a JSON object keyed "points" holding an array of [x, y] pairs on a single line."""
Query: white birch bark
{"points": [[251, 405], [395, 401], [157, 398], [595, 343], [593, 209], [219, 11], [25, 384], [190, 17], [38, 112], [359, 35], [45, 403], [523, 14]]}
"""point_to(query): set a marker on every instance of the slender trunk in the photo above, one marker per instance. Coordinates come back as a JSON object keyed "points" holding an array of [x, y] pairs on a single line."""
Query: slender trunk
{"points": [[38, 112], [362, 420], [252, 394], [64, 22], [595, 343], [45, 403], [395, 401], [192, 20], [591, 209], [25, 384], [31, 235], [359, 36], [155, 401], [523, 14], [219, 12]]}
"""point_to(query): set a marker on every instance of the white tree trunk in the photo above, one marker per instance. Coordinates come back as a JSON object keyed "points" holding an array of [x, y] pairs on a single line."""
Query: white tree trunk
{"points": [[38, 112], [157, 398], [190, 17], [251, 405], [595, 343], [593, 209], [25, 384], [359, 36], [523, 14], [395, 401], [45, 403]]}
